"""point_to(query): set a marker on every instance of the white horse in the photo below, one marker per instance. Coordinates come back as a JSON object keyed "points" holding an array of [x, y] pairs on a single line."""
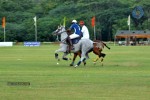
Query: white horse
{"points": [[84, 45]]}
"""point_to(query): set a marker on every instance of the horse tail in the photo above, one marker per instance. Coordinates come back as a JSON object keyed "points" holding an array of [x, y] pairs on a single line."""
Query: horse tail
{"points": [[105, 45]]}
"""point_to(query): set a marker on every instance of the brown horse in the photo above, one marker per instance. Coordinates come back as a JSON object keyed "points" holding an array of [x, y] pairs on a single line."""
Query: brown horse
{"points": [[97, 50]]}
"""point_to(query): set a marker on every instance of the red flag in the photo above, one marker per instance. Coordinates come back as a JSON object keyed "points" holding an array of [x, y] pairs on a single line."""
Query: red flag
{"points": [[93, 21], [3, 22]]}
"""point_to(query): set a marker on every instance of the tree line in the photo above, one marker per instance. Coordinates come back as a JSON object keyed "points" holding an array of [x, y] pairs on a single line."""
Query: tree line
{"points": [[111, 15]]}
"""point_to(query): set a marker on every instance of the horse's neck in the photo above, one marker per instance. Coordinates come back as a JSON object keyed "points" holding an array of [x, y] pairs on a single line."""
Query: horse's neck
{"points": [[63, 36]]}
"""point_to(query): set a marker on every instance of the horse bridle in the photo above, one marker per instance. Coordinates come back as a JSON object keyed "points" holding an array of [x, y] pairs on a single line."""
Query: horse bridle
{"points": [[64, 40]]}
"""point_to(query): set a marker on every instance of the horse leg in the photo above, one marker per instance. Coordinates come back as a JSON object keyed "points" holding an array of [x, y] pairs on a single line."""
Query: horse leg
{"points": [[74, 58], [84, 62], [56, 56], [61, 49], [82, 59], [64, 56], [102, 55], [95, 60], [96, 51]]}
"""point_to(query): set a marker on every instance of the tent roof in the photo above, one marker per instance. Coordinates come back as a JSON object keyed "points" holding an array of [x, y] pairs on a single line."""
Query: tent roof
{"points": [[133, 33]]}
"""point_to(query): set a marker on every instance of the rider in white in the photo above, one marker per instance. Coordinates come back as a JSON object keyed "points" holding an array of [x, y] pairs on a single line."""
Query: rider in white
{"points": [[85, 33], [84, 30]]}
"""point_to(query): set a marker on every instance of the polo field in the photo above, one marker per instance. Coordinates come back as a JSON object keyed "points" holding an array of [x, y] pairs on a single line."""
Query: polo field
{"points": [[32, 73]]}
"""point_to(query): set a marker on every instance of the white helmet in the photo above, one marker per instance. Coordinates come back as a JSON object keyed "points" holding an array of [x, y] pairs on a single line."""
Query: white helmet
{"points": [[74, 21]]}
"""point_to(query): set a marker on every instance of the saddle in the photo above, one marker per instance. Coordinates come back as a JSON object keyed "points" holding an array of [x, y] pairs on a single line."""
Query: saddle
{"points": [[76, 40], [70, 42], [73, 41]]}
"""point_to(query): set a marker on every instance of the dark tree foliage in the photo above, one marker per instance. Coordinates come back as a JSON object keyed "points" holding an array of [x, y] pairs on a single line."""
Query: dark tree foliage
{"points": [[111, 15]]}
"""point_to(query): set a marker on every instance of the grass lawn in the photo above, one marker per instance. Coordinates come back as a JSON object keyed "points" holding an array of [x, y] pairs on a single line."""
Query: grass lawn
{"points": [[124, 76]]}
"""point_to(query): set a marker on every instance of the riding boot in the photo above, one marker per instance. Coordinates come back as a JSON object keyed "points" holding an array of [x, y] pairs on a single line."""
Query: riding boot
{"points": [[70, 44]]}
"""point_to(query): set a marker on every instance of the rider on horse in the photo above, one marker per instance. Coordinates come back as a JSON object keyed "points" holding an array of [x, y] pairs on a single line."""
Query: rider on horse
{"points": [[84, 30], [76, 34]]}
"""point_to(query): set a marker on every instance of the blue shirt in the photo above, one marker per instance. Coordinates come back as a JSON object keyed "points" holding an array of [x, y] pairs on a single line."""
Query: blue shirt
{"points": [[76, 28]]}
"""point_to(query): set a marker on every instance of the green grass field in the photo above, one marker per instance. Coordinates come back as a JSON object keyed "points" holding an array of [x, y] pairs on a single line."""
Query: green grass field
{"points": [[124, 76]]}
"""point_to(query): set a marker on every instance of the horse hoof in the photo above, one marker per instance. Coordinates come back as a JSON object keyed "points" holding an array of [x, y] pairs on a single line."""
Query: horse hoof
{"points": [[75, 66], [71, 64], [94, 63]]}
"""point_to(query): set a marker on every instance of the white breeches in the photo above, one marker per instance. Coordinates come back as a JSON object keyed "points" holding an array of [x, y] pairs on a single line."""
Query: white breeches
{"points": [[72, 36]]}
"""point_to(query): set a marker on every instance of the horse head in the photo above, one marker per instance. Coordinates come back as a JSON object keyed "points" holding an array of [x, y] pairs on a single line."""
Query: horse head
{"points": [[59, 30], [62, 32]]}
